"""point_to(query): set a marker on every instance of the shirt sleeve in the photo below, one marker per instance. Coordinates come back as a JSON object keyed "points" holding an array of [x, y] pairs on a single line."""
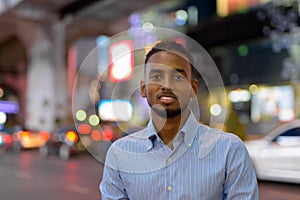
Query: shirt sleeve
{"points": [[111, 186], [241, 181]]}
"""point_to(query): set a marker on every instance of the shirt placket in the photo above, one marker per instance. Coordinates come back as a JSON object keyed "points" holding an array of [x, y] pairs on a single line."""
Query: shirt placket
{"points": [[170, 185]]}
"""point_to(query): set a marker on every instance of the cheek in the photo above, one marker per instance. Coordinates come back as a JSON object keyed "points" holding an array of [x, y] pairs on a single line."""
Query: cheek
{"points": [[185, 90], [150, 92], [152, 87]]}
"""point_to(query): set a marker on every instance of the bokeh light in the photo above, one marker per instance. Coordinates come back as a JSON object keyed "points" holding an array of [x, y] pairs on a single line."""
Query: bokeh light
{"points": [[84, 129], [108, 134], [94, 120], [253, 89], [45, 135], [3, 117], [148, 26], [96, 135], [71, 136], [181, 17], [1, 92], [239, 95], [80, 115], [243, 50], [216, 109]]}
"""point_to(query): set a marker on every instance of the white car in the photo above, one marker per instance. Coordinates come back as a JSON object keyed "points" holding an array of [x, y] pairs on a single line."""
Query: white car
{"points": [[276, 157]]}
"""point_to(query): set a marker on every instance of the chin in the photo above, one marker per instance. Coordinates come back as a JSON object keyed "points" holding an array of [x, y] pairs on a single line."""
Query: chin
{"points": [[166, 113]]}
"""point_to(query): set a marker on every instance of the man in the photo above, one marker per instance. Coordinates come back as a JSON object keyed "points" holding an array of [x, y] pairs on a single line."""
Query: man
{"points": [[175, 157]]}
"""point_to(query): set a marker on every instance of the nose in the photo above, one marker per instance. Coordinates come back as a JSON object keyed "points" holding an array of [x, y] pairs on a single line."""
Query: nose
{"points": [[167, 84]]}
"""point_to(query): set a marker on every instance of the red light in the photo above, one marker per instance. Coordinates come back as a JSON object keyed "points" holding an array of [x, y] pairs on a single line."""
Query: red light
{"points": [[7, 139], [107, 134], [45, 135], [71, 136], [84, 129], [121, 59]]}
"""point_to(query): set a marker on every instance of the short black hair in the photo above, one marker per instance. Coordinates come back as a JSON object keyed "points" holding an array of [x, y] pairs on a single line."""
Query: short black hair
{"points": [[172, 46]]}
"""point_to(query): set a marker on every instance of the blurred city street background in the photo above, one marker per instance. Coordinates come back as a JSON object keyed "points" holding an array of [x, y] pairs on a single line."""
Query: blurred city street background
{"points": [[69, 76], [30, 177]]}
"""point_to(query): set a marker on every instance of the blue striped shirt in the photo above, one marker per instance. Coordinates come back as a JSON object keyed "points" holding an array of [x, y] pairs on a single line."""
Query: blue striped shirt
{"points": [[205, 163]]}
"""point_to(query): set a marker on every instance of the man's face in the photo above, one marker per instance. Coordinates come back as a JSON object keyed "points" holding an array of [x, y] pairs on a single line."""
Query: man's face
{"points": [[168, 84]]}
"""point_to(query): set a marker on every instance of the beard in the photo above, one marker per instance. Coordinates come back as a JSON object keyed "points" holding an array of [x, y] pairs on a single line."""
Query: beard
{"points": [[166, 113]]}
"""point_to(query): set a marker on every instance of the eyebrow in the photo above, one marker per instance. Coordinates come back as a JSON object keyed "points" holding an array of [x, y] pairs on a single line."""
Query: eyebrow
{"points": [[180, 71], [159, 70], [155, 71]]}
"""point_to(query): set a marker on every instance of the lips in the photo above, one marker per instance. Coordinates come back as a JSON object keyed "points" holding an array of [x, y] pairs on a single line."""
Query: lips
{"points": [[167, 98]]}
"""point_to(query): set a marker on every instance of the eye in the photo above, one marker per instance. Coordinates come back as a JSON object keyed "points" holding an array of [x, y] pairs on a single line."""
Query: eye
{"points": [[155, 77], [179, 77]]}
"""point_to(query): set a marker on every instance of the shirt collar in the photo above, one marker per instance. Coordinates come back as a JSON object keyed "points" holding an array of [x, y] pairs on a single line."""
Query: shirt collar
{"points": [[189, 131]]}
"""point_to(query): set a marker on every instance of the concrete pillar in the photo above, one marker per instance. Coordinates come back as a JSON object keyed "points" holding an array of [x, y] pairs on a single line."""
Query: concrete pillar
{"points": [[62, 104], [47, 95], [40, 98]]}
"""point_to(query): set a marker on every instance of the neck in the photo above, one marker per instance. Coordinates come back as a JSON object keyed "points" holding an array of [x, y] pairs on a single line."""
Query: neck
{"points": [[168, 128]]}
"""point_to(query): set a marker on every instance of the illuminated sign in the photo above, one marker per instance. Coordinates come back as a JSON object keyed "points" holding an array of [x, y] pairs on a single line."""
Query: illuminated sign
{"points": [[10, 107], [121, 59], [115, 110], [239, 95], [226, 7], [273, 103]]}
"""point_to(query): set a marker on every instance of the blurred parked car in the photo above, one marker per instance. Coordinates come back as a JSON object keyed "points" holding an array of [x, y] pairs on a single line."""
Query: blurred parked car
{"points": [[63, 142], [27, 139], [276, 157]]}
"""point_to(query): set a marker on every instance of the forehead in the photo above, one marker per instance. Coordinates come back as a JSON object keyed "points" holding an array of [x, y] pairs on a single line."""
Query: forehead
{"points": [[164, 60]]}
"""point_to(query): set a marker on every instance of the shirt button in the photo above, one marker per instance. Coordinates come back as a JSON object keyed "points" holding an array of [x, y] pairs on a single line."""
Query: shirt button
{"points": [[189, 145], [170, 188], [169, 160]]}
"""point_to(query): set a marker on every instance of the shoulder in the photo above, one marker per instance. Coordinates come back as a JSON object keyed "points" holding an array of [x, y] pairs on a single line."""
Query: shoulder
{"points": [[132, 137], [131, 142], [129, 153], [212, 138], [217, 135], [229, 143]]}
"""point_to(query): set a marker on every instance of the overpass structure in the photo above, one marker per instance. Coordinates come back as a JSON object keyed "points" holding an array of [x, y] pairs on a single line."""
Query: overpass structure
{"points": [[34, 39]]}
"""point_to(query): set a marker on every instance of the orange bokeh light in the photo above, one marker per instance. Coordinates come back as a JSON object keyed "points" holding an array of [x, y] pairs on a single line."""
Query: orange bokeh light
{"points": [[96, 135], [71, 136], [84, 129], [23, 135], [45, 135]]}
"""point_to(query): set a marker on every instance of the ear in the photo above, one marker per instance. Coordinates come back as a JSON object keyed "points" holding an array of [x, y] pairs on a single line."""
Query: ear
{"points": [[195, 85], [143, 89]]}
